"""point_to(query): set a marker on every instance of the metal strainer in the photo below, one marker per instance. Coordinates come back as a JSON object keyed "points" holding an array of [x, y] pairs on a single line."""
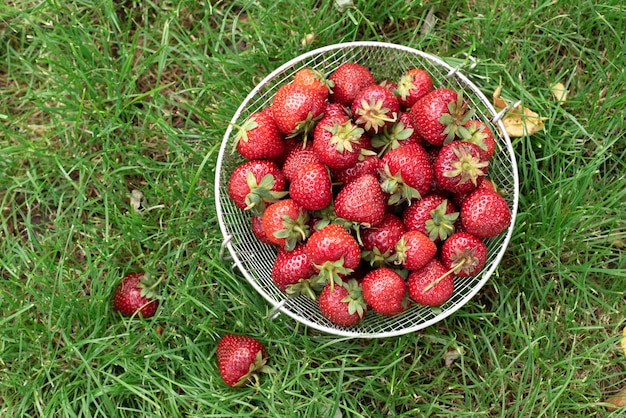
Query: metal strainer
{"points": [[255, 260]]}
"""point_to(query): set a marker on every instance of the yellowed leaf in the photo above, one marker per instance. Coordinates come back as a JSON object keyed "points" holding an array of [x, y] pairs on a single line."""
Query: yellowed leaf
{"points": [[499, 102], [618, 400], [559, 92], [624, 340], [452, 354], [517, 121]]}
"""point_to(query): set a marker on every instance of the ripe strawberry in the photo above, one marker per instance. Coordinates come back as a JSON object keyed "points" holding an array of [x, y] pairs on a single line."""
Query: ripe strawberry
{"points": [[480, 134], [290, 268], [136, 294], [464, 254], [258, 231], [348, 79], [332, 110], [313, 79], [483, 183], [407, 174], [366, 164], [259, 138], [333, 252], [385, 291], [375, 108], [336, 142], [296, 109], [298, 158], [361, 201], [433, 215], [431, 285], [414, 250], [485, 213], [413, 84], [439, 115], [343, 305], [459, 166], [286, 223], [400, 133], [240, 358], [379, 242], [311, 187], [256, 183]]}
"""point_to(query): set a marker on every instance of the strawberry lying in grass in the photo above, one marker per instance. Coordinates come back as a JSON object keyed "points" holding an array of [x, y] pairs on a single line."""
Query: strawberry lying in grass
{"points": [[136, 295], [240, 359]]}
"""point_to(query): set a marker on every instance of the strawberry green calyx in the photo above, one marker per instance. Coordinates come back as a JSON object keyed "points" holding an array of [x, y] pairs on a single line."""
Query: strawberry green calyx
{"points": [[310, 287], [475, 134], [391, 138], [294, 230], [258, 366], [332, 272], [261, 192], [377, 258], [467, 166], [441, 224], [373, 116], [454, 121], [242, 132], [398, 190], [355, 301], [465, 260], [304, 127], [344, 135], [149, 286]]}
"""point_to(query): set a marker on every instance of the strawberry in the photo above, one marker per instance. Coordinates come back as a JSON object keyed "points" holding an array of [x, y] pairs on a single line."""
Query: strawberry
{"points": [[257, 229], [311, 187], [336, 142], [407, 174], [290, 268], [332, 110], [361, 201], [414, 250], [333, 252], [439, 115], [459, 166], [298, 158], [375, 108], [483, 183], [348, 79], [400, 133], [464, 254], [240, 358], [136, 294], [413, 84], [379, 242], [485, 213], [366, 164], [385, 291], [256, 183], [480, 134], [431, 285], [433, 215], [296, 109], [286, 223], [259, 138], [313, 79], [343, 305]]}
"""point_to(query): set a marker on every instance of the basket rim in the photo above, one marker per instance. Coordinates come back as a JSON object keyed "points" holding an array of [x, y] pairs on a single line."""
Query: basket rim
{"points": [[278, 306]]}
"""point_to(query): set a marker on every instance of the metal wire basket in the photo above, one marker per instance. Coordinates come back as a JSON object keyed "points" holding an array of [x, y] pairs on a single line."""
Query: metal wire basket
{"points": [[255, 259]]}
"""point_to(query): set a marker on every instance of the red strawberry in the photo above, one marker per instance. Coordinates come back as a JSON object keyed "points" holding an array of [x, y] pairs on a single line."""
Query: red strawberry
{"points": [[464, 254], [336, 142], [259, 138], [480, 134], [333, 110], [433, 215], [298, 158], [389, 85], [286, 223], [136, 295], [296, 109], [431, 285], [348, 79], [414, 250], [333, 252], [240, 359], [485, 213], [366, 164], [483, 183], [311, 187], [379, 242], [292, 267], [258, 231], [385, 291], [256, 183], [361, 201], [399, 134], [459, 166], [438, 115], [413, 84], [343, 305], [313, 79], [407, 174], [375, 108]]}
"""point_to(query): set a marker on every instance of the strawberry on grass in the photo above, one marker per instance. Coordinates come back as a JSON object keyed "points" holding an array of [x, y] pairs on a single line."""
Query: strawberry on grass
{"points": [[136, 295], [240, 359]]}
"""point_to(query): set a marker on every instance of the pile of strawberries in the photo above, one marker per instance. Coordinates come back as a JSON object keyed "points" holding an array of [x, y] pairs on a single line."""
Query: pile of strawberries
{"points": [[374, 192]]}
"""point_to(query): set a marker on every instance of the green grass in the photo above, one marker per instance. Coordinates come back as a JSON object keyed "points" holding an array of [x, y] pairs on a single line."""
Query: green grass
{"points": [[99, 98]]}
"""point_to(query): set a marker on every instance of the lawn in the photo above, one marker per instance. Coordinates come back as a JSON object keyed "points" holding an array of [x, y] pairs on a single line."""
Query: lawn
{"points": [[101, 98]]}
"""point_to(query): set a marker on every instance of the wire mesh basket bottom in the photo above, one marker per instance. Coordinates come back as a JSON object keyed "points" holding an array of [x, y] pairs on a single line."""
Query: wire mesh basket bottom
{"points": [[255, 260]]}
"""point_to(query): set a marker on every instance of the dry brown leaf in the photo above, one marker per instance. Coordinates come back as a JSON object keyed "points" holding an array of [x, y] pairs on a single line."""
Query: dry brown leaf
{"points": [[517, 121], [619, 400], [452, 354], [559, 92]]}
